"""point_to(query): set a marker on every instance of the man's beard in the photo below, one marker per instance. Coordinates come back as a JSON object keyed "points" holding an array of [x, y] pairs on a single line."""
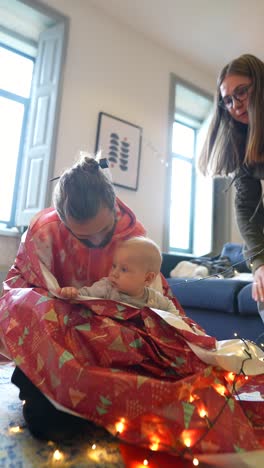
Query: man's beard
{"points": [[104, 242]]}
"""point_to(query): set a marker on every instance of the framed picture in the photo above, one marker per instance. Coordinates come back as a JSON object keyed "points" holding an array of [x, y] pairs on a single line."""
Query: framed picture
{"points": [[120, 143]]}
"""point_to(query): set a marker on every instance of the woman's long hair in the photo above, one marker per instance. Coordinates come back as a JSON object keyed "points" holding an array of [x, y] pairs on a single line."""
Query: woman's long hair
{"points": [[228, 145]]}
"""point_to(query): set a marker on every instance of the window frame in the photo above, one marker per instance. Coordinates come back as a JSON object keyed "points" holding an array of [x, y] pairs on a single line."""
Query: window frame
{"points": [[174, 80], [25, 102], [61, 20], [191, 162]]}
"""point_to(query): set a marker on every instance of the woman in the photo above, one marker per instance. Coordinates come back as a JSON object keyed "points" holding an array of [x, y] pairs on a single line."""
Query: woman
{"points": [[235, 145]]}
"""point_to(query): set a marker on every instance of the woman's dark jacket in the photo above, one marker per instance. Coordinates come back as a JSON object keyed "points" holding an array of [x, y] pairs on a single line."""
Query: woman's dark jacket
{"points": [[250, 211]]}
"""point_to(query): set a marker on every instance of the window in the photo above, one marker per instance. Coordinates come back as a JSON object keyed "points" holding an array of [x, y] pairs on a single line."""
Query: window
{"points": [[189, 200], [33, 42], [182, 183], [14, 102]]}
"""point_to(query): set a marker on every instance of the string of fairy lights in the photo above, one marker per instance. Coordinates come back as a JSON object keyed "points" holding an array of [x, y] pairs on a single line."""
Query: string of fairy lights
{"points": [[188, 447], [187, 442]]}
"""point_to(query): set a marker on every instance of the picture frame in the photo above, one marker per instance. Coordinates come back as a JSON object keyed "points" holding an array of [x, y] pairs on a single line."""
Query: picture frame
{"points": [[120, 142]]}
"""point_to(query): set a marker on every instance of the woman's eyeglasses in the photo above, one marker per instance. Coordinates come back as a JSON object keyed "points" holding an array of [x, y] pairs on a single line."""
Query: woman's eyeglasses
{"points": [[240, 95]]}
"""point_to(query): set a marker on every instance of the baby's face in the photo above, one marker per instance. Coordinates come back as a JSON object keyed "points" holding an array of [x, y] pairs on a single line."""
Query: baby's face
{"points": [[128, 274]]}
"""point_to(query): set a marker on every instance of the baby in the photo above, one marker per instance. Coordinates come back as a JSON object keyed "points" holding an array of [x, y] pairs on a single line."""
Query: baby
{"points": [[136, 264]]}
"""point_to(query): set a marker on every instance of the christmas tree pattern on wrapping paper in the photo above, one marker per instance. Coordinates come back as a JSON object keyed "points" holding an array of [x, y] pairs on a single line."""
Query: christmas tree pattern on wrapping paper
{"points": [[105, 403], [188, 410], [21, 338], [53, 317], [76, 396]]}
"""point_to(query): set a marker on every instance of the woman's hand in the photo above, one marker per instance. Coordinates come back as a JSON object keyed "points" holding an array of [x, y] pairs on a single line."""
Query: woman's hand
{"points": [[258, 285], [68, 292]]}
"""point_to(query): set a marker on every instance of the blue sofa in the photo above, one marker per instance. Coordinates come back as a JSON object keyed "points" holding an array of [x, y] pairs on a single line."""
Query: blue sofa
{"points": [[221, 306]]}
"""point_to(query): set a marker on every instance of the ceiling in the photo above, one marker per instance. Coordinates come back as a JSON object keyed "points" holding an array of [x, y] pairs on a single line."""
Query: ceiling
{"points": [[207, 33]]}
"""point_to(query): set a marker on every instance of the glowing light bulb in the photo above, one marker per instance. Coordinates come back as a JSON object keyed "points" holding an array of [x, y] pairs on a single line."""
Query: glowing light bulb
{"points": [[154, 446], [155, 441], [145, 462], [202, 413], [120, 427], [230, 376], [187, 442], [220, 389], [93, 446], [195, 462], [14, 429], [57, 455]]}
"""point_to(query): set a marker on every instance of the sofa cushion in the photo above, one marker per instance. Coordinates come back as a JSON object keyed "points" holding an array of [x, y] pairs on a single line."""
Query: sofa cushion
{"points": [[235, 254], [223, 326], [246, 305], [213, 294]]}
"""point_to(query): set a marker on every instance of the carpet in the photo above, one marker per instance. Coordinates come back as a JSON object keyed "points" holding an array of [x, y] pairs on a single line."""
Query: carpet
{"points": [[18, 449]]}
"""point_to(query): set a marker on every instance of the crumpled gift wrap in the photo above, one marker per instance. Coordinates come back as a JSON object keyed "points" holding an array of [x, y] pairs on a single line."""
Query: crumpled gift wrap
{"points": [[115, 364]]}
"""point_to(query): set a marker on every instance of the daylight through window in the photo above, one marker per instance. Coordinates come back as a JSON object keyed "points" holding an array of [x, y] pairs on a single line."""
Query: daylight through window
{"points": [[190, 196], [15, 82]]}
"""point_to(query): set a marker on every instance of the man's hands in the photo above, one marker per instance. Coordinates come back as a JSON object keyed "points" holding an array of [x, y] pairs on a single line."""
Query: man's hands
{"points": [[68, 292], [258, 285]]}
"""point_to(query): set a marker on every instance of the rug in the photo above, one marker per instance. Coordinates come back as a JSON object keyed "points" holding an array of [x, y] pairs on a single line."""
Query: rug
{"points": [[18, 449]]}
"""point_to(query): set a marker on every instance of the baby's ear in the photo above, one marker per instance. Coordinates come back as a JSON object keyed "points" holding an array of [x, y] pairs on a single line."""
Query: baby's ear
{"points": [[150, 276]]}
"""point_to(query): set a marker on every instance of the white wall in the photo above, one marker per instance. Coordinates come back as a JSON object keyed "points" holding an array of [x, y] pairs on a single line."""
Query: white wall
{"points": [[114, 69], [8, 249]]}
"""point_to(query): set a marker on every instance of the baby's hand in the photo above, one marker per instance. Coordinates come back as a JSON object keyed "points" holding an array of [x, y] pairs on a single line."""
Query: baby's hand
{"points": [[68, 292]]}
